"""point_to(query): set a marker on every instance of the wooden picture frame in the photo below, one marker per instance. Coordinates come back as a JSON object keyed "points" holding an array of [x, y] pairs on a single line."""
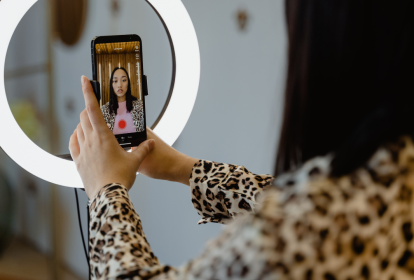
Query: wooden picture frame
{"points": [[70, 18]]}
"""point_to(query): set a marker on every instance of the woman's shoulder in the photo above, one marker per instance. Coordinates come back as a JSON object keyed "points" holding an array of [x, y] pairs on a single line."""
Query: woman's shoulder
{"points": [[369, 206], [137, 103], [318, 167], [388, 164]]}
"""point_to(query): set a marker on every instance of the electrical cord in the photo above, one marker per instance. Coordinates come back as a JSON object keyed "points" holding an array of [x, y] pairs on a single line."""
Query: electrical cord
{"points": [[80, 227], [89, 264]]}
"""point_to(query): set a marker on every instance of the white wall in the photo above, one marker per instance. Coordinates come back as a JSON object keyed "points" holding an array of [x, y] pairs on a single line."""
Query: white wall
{"points": [[236, 118]]}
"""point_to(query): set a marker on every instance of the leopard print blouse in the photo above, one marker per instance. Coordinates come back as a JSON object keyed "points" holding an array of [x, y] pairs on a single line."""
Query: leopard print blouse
{"points": [[306, 226], [137, 114]]}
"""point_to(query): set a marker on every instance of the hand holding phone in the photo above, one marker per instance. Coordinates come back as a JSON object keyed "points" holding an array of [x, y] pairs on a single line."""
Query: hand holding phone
{"points": [[96, 152], [120, 87]]}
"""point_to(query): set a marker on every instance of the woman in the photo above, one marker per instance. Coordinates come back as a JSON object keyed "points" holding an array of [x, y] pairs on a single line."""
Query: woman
{"points": [[124, 113], [341, 205]]}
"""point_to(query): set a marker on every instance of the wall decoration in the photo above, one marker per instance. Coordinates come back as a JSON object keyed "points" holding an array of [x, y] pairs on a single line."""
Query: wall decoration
{"points": [[70, 104], [70, 17], [242, 19], [114, 7]]}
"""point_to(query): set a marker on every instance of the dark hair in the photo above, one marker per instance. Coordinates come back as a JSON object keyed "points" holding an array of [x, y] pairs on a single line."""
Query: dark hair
{"points": [[349, 84], [113, 98]]}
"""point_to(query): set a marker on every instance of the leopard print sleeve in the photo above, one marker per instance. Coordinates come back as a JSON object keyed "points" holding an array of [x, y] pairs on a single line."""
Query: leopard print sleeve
{"points": [[220, 192], [118, 248]]}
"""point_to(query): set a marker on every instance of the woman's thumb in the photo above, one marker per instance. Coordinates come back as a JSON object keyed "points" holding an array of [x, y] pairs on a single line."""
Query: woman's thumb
{"points": [[143, 149]]}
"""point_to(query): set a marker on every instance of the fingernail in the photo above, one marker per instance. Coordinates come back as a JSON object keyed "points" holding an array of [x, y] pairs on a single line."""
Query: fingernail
{"points": [[83, 79], [151, 143]]}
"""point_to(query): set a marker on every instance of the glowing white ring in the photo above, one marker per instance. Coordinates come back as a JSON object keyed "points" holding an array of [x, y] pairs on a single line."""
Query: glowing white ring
{"points": [[182, 98]]}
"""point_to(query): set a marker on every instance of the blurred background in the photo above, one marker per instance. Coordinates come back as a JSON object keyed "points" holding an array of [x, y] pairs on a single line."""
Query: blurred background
{"points": [[236, 119]]}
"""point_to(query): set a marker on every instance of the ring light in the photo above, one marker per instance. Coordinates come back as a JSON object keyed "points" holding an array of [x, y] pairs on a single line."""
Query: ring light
{"points": [[170, 123]]}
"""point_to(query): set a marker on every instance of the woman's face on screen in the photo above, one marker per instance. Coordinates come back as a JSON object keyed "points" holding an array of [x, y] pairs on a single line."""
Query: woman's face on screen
{"points": [[120, 82]]}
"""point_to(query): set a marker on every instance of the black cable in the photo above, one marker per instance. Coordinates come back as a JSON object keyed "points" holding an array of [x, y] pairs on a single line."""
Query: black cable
{"points": [[89, 265], [80, 226]]}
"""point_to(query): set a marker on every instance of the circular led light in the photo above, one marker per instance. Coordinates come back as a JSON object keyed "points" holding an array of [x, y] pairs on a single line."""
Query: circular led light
{"points": [[170, 123]]}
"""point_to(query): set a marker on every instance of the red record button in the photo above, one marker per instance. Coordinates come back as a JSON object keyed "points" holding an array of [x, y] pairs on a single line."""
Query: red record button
{"points": [[122, 124]]}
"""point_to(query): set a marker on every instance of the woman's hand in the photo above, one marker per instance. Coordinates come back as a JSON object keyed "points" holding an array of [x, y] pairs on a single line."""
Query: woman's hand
{"points": [[98, 157], [166, 163]]}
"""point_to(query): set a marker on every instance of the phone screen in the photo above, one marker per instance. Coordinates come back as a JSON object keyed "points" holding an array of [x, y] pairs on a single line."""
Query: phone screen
{"points": [[118, 71]]}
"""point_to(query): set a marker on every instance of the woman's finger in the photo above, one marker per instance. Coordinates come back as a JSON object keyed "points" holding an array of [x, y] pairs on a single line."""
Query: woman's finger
{"points": [[92, 107], [85, 123], [141, 152], [74, 146], [80, 135]]}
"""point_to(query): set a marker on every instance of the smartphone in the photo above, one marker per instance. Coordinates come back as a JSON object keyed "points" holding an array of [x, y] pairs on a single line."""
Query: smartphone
{"points": [[117, 67]]}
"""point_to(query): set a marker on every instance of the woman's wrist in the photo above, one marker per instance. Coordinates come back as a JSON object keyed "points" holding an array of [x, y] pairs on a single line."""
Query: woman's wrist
{"points": [[182, 169], [99, 185], [166, 163]]}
